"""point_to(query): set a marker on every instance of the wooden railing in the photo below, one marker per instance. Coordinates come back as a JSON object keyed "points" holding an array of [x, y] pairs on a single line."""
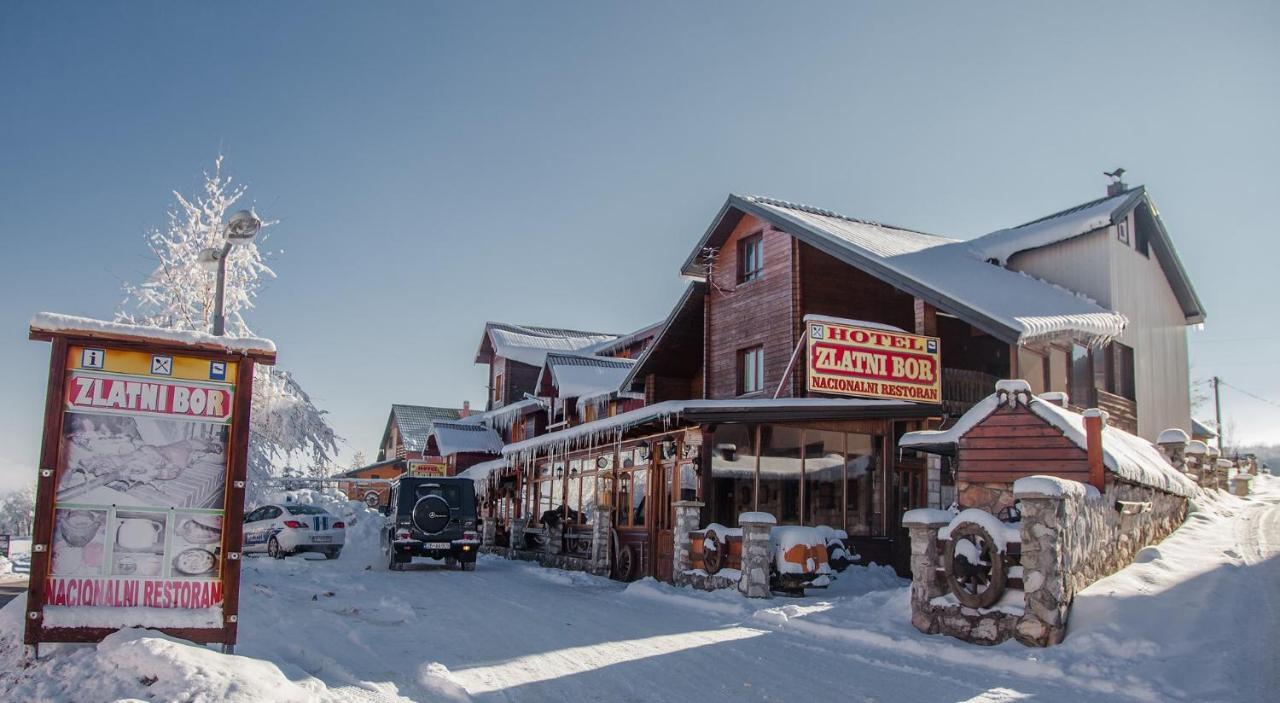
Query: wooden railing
{"points": [[1122, 411], [961, 388]]}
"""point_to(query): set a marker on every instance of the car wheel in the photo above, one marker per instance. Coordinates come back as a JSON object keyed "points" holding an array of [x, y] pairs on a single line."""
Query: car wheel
{"points": [[468, 566], [274, 550], [450, 562]]}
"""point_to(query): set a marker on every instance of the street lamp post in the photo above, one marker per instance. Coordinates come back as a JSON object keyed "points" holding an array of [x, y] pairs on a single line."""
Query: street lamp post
{"points": [[241, 227]]}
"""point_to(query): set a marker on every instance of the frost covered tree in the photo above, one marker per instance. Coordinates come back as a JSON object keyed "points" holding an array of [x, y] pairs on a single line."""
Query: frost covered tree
{"points": [[179, 294], [17, 510]]}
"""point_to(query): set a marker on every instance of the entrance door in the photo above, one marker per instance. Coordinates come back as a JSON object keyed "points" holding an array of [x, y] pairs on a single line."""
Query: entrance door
{"points": [[663, 534], [909, 490]]}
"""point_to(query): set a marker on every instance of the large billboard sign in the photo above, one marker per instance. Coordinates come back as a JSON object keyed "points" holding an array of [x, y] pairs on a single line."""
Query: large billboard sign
{"points": [[141, 490], [869, 362]]}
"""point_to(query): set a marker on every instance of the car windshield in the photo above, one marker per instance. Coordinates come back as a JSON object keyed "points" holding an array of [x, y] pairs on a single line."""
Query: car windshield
{"points": [[449, 493], [305, 510]]}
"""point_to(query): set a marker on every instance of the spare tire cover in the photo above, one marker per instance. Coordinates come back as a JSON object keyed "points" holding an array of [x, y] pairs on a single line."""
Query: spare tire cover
{"points": [[431, 514]]}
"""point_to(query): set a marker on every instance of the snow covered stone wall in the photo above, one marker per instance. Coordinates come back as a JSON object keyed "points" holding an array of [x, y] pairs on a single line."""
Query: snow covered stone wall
{"points": [[1073, 536]]}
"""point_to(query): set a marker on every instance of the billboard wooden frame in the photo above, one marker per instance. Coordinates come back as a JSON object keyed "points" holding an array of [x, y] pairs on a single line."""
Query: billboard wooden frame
{"points": [[51, 457]]}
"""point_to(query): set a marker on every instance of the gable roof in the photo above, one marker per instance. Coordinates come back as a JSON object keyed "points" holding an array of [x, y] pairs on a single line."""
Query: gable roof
{"points": [[457, 437], [1128, 456], [414, 422], [688, 311], [578, 376], [1088, 217], [529, 344], [948, 274], [644, 333]]}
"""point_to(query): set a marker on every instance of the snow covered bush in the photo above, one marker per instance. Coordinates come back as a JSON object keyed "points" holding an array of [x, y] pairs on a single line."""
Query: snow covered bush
{"points": [[179, 294]]}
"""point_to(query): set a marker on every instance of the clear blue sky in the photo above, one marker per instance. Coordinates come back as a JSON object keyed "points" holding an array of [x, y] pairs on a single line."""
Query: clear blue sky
{"points": [[436, 165]]}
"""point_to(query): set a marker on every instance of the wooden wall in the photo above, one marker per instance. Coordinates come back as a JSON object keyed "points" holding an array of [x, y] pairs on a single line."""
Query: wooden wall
{"points": [[756, 313], [1014, 442]]}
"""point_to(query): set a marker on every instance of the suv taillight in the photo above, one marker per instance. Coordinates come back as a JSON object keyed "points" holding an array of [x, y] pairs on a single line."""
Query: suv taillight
{"points": [[402, 534], [470, 536], [296, 525], [339, 525]]}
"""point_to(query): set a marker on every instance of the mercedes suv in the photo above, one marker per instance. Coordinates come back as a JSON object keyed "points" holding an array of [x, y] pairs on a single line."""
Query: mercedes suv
{"points": [[431, 517]]}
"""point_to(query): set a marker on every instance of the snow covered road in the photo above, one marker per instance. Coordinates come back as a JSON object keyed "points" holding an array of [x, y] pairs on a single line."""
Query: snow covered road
{"points": [[1196, 619]]}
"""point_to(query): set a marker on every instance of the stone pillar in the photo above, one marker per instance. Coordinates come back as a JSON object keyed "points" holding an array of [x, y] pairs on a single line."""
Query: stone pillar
{"points": [[756, 528], [923, 526], [517, 534], [601, 541], [555, 538], [688, 514], [1043, 562], [1239, 485], [489, 532], [1173, 444]]}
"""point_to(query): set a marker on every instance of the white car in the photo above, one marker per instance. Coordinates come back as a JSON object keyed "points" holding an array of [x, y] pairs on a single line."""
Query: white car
{"points": [[281, 530]]}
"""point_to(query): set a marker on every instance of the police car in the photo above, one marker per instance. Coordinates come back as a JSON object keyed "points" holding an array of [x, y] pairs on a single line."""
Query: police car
{"points": [[281, 530]]}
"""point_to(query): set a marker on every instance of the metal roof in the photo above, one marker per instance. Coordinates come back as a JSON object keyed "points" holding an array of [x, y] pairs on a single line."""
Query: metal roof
{"points": [[414, 423]]}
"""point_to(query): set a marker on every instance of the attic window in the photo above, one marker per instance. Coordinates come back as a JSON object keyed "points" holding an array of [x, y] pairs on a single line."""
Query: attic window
{"points": [[750, 258], [1122, 232]]}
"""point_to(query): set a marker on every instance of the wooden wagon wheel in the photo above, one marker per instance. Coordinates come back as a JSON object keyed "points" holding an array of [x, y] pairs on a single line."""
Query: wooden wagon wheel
{"points": [[626, 564], [977, 574], [713, 558]]}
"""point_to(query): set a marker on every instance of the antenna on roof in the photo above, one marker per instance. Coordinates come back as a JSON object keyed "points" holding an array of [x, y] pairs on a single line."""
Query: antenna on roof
{"points": [[1116, 186]]}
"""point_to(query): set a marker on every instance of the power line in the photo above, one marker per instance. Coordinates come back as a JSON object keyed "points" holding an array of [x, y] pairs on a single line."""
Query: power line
{"points": [[1251, 395]]}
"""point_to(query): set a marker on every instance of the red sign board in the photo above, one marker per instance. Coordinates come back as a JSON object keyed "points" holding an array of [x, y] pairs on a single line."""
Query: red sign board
{"points": [[845, 359]]}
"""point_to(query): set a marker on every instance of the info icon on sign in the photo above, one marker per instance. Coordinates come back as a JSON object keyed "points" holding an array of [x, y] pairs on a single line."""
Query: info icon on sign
{"points": [[217, 370]]}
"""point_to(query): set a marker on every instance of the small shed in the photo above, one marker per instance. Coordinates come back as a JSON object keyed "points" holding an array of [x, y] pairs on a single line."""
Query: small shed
{"points": [[1013, 434]]}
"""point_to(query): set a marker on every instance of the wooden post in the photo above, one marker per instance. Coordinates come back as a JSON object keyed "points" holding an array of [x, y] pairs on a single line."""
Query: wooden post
{"points": [[926, 318], [46, 489], [233, 518], [1094, 421], [755, 493]]}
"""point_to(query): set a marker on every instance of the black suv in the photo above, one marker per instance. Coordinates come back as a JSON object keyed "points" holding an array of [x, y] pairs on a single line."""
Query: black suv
{"points": [[431, 517]]}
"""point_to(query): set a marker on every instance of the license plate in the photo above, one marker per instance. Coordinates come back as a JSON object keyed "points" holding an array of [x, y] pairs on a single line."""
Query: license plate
{"points": [[321, 539], [437, 545]]}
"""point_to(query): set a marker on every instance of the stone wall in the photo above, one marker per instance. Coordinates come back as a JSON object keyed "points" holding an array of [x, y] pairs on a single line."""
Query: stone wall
{"points": [[991, 497], [1071, 536]]}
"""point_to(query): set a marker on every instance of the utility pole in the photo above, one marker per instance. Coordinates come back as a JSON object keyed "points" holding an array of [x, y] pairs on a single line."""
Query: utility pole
{"points": [[1217, 412]]}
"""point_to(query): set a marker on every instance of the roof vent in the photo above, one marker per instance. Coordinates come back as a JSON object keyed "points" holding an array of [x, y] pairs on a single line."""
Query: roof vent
{"points": [[1116, 186]]}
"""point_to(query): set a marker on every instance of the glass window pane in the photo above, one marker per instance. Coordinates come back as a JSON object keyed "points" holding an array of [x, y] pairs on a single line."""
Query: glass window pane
{"points": [[733, 466], [861, 503], [780, 473], [639, 488]]}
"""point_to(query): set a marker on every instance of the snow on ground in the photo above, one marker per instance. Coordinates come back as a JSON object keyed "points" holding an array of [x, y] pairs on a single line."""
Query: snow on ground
{"points": [[1195, 620]]}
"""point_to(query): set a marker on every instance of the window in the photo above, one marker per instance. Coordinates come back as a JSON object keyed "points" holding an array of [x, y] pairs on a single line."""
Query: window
{"points": [[750, 370], [750, 258], [1140, 242], [1122, 232], [497, 388], [1120, 370]]}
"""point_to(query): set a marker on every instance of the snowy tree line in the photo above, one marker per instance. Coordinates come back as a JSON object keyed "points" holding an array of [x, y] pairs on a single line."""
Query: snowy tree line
{"points": [[286, 426]]}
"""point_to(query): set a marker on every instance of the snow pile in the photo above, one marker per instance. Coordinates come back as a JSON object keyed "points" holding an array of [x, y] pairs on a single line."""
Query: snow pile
{"points": [[6, 566], [793, 553], [1051, 486]]}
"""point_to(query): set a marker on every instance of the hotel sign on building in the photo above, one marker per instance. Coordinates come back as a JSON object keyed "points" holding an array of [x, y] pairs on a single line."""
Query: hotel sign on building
{"points": [[868, 362]]}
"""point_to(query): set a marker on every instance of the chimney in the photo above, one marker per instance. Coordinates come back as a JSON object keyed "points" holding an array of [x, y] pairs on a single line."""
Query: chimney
{"points": [[1117, 184], [466, 409], [1094, 421]]}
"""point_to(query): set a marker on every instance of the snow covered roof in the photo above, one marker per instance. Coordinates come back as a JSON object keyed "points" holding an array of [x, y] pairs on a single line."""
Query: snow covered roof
{"points": [[577, 376], [46, 324], [647, 332], [480, 472], [457, 437], [673, 413], [1060, 226], [949, 274], [1202, 429], [1127, 456], [529, 345], [503, 417], [414, 422]]}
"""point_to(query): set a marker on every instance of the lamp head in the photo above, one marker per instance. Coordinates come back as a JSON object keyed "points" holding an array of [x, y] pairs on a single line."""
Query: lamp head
{"points": [[243, 226]]}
